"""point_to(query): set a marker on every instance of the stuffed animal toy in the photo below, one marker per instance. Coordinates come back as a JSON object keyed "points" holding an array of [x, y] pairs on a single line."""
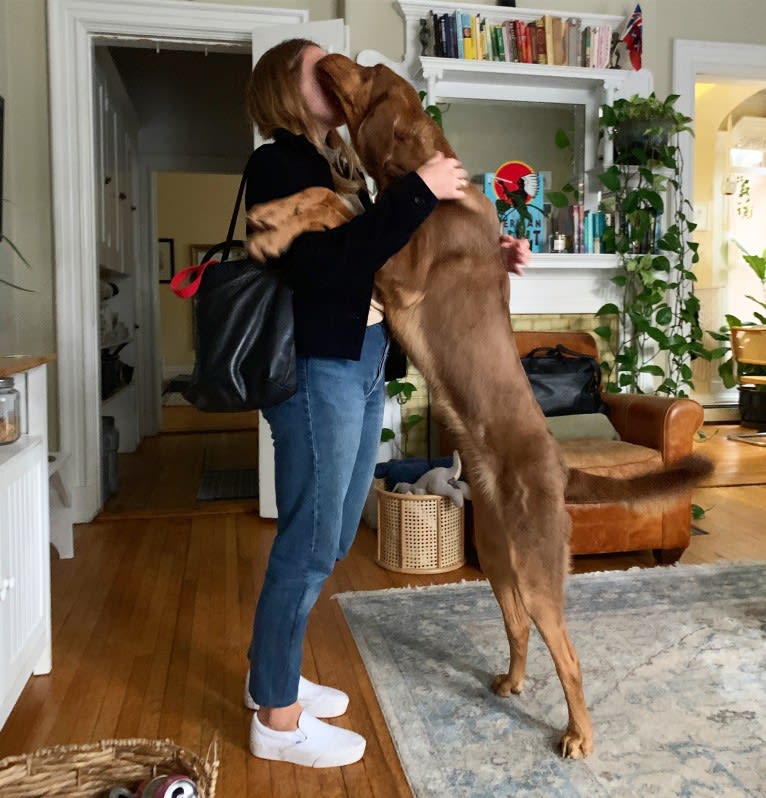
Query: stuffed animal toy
{"points": [[440, 482]]}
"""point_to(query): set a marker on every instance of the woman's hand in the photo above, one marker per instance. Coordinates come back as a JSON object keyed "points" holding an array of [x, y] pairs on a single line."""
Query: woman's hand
{"points": [[515, 252], [445, 177]]}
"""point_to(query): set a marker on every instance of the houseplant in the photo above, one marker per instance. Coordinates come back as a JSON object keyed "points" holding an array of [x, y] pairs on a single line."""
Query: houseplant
{"points": [[658, 328], [4, 239], [742, 349]]}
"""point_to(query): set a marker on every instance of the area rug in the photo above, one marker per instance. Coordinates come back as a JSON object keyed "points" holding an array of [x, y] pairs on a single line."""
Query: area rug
{"points": [[240, 483], [674, 664]]}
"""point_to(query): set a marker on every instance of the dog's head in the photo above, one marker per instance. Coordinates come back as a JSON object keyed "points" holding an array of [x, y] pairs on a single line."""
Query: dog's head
{"points": [[389, 128]]}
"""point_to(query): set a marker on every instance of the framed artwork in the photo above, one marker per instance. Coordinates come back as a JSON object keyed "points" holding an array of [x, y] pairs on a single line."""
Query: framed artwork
{"points": [[196, 252], [167, 264]]}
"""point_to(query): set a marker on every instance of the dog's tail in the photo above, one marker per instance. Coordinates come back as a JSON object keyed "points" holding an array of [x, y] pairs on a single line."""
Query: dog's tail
{"points": [[584, 488]]}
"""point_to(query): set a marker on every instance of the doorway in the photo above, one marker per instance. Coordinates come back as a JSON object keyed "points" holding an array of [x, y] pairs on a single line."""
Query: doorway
{"points": [[74, 28], [718, 85]]}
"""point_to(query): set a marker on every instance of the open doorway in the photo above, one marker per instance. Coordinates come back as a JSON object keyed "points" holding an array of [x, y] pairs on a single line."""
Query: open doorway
{"points": [[729, 185], [719, 85], [193, 141], [75, 27]]}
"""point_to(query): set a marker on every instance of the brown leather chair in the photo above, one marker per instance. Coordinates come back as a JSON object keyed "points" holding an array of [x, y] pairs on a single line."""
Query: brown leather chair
{"points": [[654, 431]]}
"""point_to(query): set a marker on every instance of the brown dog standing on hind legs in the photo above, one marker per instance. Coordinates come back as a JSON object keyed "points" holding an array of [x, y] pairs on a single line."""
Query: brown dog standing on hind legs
{"points": [[446, 299]]}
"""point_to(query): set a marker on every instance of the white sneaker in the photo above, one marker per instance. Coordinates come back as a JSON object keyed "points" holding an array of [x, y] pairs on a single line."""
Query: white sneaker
{"points": [[313, 744], [316, 699]]}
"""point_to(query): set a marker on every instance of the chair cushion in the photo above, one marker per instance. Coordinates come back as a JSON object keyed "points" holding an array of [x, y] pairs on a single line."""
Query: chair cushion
{"points": [[609, 458], [582, 425]]}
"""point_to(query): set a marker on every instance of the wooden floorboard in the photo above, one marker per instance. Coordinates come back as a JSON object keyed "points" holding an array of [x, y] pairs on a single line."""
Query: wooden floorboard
{"points": [[152, 618]]}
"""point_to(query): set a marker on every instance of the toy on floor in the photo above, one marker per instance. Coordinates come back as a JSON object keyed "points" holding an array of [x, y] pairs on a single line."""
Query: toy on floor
{"points": [[440, 482]]}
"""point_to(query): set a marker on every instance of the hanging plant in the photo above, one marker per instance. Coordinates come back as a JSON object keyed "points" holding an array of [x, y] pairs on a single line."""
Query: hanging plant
{"points": [[659, 332]]}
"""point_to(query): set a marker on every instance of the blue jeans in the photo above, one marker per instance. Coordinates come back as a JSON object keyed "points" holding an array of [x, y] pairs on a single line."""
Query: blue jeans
{"points": [[325, 444]]}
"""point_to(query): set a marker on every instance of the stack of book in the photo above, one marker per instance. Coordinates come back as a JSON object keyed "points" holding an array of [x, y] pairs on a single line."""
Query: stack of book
{"points": [[546, 40]]}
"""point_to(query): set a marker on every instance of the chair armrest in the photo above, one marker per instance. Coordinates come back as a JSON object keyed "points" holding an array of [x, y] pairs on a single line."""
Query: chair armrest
{"points": [[658, 422]]}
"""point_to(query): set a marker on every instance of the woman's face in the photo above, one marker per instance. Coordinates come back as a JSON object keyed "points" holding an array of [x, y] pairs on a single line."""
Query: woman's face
{"points": [[322, 106]]}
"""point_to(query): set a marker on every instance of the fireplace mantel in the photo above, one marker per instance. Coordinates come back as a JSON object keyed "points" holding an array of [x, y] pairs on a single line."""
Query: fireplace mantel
{"points": [[564, 284]]}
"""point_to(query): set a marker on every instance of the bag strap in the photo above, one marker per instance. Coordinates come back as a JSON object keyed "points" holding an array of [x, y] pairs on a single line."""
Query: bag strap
{"points": [[186, 283], [238, 202]]}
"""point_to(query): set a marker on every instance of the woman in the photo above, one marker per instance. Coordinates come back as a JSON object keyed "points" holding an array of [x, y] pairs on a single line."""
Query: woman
{"points": [[326, 435]]}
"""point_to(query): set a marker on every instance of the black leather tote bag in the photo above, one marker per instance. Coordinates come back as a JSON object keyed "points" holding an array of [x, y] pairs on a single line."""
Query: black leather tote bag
{"points": [[244, 348], [564, 382]]}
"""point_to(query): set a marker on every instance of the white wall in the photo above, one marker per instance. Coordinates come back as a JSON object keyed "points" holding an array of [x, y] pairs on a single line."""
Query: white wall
{"points": [[27, 323]]}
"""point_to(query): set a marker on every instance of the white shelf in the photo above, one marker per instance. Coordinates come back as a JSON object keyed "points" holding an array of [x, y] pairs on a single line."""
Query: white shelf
{"points": [[512, 79], [11, 451], [570, 260]]}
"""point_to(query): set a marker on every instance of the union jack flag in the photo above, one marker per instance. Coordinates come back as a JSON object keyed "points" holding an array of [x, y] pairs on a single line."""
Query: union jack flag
{"points": [[633, 36]]}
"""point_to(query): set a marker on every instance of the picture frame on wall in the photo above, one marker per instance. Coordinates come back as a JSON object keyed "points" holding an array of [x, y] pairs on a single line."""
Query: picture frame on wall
{"points": [[166, 266]]}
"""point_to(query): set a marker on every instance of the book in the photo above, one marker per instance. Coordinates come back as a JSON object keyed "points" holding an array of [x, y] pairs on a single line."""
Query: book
{"points": [[541, 51], [469, 45], [558, 41], [535, 227], [458, 24], [507, 36], [574, 42]]}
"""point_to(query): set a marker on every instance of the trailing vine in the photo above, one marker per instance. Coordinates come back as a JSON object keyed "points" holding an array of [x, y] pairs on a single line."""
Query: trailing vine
{"points": [[659, 331]]}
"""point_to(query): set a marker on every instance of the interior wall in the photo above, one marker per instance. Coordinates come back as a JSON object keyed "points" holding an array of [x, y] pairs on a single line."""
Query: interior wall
{"points": [[375, 24], [201, 217], [27, 319]]}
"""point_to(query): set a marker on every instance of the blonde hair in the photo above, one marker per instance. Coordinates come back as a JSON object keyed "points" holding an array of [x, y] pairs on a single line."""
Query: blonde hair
{"points": [[274, 100]]}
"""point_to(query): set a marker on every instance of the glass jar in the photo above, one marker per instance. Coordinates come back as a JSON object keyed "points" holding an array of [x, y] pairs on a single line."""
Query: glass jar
{"points": [[10, 417]]}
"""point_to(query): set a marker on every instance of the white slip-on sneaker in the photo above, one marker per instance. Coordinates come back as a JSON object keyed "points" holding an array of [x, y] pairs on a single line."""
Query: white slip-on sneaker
{"points": [[314, 744], [316, 699]]}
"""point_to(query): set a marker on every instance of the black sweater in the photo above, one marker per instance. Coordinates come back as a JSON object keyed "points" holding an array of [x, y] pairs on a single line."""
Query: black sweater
{"points": [[332, 272]]}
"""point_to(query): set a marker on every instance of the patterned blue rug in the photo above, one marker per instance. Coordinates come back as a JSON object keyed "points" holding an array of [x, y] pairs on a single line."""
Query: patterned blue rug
{"points": [[674, 663]]}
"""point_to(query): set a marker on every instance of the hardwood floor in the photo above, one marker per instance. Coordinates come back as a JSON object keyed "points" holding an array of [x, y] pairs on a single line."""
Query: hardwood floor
{"points": [[151, 619]]}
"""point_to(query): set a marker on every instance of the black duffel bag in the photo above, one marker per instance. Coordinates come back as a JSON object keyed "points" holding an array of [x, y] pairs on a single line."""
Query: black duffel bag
{"points": [[564, 382], [244, 348]]}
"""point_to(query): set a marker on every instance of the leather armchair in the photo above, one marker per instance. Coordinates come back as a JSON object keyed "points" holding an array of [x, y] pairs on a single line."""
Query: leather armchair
{"points": [[654, 431]]}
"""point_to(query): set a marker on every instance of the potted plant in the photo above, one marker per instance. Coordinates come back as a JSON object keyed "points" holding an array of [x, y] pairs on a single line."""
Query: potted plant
{"points": [[641, 127], [742, 349], [4, 239], [657, 314]]}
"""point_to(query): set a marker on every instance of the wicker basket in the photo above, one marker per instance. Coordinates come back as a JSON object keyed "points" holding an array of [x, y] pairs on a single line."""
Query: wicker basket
{"points": [[419, 534], [84, 771]]}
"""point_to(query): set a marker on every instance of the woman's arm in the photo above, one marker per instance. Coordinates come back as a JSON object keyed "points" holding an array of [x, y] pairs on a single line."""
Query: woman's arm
{"points": [[359, 247]]}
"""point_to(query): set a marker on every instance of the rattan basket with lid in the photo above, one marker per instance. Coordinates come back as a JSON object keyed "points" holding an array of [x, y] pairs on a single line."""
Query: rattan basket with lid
{"points": [[419, 534]]}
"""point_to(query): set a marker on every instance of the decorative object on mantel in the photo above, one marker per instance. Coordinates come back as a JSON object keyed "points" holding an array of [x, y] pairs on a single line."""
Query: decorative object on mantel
{"points": [[659, 331]]}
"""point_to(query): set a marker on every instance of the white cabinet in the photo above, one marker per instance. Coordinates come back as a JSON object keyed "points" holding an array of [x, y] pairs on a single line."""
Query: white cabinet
{"points": [[116, 188], [25, 620]]}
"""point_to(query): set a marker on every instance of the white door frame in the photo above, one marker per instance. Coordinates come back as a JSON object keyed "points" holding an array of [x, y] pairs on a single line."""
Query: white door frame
{"points": [[74, 26], [693, 59], [710, 60]]}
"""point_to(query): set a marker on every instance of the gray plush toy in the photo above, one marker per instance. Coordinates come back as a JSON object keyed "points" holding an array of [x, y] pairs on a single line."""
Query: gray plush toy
{"points": [[440, 482]]}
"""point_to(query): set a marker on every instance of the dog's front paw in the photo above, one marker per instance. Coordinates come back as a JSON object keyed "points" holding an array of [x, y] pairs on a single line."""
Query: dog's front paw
{"points": [[262, 246], [576, 744], [503, 685], [266, 216]]}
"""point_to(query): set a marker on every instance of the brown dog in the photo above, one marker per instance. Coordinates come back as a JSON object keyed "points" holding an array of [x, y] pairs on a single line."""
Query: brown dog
{"points": [[446, 301]]}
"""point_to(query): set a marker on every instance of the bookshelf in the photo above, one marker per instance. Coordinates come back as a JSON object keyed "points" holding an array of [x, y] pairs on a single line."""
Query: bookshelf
{"points": [[448, 80]]}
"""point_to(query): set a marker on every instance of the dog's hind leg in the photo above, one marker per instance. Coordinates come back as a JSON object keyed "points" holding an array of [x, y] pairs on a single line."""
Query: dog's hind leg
{"points": [[547, 613], [495, 560]]}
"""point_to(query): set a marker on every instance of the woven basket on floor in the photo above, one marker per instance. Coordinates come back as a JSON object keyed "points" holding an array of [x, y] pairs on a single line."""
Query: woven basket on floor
{"points": [[419, 534], [84, 771]]}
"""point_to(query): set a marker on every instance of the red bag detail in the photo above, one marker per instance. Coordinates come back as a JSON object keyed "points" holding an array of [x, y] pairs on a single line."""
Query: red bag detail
{"points": [[194, 275]]}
